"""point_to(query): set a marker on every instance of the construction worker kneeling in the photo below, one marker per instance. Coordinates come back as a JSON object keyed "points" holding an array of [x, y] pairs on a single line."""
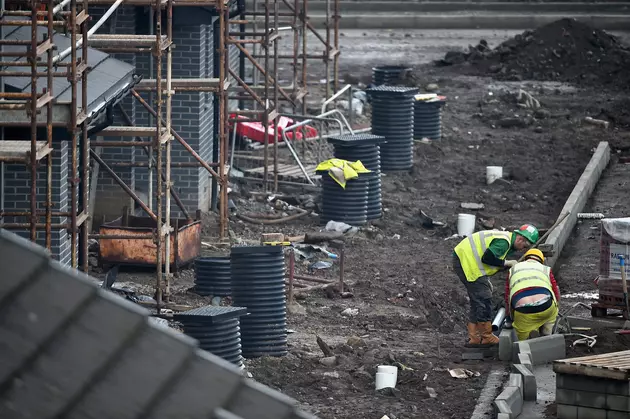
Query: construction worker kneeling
{"points": [[531, 296], [477, 258]]}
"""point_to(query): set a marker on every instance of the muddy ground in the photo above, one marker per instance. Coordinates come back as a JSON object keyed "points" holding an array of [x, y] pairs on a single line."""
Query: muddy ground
{"points": [[411, 307]]}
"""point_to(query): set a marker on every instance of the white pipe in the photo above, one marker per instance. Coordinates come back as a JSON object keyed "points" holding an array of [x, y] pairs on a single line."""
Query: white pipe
{"points": [[498, 319], [63, 54], [335, 96], [337, 111], [60, 6]]}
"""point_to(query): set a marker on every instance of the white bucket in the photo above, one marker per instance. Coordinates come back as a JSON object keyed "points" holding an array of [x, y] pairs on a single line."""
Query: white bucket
{"points": [[388, 369], [465, 224], [493, 173], [385, 380]]}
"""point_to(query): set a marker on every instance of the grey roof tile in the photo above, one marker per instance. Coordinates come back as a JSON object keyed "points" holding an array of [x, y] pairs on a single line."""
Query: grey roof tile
{"points": [[36, 313], [188, 399], [21, 259], [137, 374], [100, 330]]}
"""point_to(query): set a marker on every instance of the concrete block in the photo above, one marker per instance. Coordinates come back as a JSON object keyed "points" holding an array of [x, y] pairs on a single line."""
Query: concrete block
{"points": [[507, 337], [509, 402], [256, 401], [530, 392], [568, 397], [516, 380], [621, 403], [207, 374], [616, 387], [564, 411], [581, 398], [611, 414], [547, 348], [591, 399], [590, 413], [472, 356], [503, 416]]}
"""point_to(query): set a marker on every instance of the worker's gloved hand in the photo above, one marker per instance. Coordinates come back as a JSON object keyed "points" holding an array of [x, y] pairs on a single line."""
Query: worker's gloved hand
{"points": [[509, 263]]}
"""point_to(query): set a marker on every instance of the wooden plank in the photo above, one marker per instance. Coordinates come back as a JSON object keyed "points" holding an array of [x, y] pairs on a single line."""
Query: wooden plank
{"points": [[591, 372]]}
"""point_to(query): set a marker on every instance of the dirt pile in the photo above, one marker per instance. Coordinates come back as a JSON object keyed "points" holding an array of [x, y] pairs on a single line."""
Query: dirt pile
{"points": [[565, 50]]}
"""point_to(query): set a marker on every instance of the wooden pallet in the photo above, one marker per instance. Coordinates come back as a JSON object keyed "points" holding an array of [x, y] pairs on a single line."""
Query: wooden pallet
{"points": [[285, 171], [615, 366]]}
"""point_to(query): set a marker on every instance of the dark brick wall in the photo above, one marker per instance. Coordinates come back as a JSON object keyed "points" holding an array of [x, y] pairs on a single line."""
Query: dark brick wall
{"points": [[17, 190], [191, 112], [111, 198]]}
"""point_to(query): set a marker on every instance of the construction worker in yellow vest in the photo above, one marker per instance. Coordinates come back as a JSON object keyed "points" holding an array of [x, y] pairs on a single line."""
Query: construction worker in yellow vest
{"points": [[531, 296], [475, 259]]}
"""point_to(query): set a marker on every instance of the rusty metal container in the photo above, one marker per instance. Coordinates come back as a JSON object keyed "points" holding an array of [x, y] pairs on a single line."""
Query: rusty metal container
{"points": [[133, 243]]}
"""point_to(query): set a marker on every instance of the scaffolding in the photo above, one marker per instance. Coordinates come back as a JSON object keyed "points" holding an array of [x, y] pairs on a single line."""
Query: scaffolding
{"points": [[257, 42], [35, 14]]}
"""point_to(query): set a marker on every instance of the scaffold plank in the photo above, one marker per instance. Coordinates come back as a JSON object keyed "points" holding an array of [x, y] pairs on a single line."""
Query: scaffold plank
{"points": [[182, 85], [129, 131], [20, 150]]}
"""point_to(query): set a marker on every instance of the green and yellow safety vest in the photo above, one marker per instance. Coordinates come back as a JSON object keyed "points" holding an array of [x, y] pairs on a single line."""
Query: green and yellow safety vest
{"points": [[471, 250], [530, 274]]}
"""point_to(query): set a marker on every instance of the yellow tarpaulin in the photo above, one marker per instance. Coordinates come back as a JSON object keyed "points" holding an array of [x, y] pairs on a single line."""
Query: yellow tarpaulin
{"points": [[342, 170]]}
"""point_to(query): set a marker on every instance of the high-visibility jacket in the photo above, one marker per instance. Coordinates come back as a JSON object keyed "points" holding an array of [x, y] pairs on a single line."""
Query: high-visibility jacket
{"points": [[471, 250], [530, 274]]}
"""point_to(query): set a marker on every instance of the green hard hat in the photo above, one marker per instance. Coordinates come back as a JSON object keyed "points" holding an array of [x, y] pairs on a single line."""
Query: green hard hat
{"points": [[529, 232]]}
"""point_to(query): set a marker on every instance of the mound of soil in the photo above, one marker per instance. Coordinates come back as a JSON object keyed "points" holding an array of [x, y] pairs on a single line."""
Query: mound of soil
{"points": [[565, 50]]}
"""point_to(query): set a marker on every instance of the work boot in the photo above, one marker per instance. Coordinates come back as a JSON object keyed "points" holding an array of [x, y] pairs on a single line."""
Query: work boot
{"points": [[473, 336], [487, 338]]}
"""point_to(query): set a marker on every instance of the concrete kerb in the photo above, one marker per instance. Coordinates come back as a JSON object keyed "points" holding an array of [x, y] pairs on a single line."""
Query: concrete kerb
{"points": [[506, 338], [577, 200], [529, 382], [525, 354], [510, 401]]}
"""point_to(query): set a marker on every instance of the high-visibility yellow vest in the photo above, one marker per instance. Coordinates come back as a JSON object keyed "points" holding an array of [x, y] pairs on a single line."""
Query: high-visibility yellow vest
{"points": [[530, 274], [471, 250]]}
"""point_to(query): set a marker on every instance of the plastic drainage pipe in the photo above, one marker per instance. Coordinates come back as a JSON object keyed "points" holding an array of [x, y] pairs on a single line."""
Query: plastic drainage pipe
{"points": [[498, 319]]}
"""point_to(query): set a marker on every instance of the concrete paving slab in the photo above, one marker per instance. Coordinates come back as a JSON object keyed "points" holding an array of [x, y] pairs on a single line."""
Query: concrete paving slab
{"points": [[509, 402]]}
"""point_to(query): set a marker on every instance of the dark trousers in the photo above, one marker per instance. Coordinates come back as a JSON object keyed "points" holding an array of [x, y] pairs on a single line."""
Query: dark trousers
{"points": [[479, 292]]}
